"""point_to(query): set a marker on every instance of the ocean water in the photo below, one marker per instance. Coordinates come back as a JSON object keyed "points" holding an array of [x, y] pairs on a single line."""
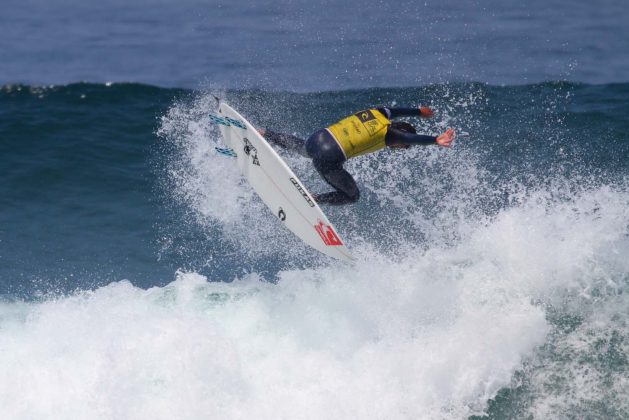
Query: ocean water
{"points": [[309, 45], [140, 277]]}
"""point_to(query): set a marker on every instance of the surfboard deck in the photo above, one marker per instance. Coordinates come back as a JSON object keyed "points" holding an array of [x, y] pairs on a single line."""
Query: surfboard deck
{"points": [[276, 184]]}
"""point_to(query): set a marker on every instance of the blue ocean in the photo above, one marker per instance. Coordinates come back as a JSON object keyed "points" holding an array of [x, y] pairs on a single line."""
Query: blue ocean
{"points": [[142, 278]]}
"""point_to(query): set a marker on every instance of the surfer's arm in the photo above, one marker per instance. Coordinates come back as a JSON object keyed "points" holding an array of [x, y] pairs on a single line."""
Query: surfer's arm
{"points": [[402, 138], [398, 138], [422, 111]]}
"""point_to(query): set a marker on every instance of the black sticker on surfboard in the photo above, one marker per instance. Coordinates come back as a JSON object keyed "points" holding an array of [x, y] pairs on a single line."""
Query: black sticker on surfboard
{"points": [[303, 192], [251, 151]]}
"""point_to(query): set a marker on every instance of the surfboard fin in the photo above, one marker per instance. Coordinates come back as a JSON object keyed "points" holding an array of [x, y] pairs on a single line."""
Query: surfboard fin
{"points": [[226, 151]]}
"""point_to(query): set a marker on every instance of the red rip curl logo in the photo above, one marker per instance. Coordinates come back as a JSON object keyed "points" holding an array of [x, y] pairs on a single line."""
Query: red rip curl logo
{"points": [[328, 235]]}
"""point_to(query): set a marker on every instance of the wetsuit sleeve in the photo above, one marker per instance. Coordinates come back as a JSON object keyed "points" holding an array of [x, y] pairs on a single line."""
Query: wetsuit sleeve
{"points": [[391, 113], [402, 137]]}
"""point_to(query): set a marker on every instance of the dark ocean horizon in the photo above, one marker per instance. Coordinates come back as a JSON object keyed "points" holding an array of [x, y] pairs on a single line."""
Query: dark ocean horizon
{"points": [[300, 45]]}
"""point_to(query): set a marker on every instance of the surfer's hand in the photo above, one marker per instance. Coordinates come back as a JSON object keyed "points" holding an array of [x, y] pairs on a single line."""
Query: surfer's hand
{"points": [[445, 139], [426, 112]]}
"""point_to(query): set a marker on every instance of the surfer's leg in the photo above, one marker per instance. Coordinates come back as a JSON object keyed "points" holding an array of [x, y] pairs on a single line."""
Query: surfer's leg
{"points": [[346, 189], [328, 158], [287, 141], [322, 147]]}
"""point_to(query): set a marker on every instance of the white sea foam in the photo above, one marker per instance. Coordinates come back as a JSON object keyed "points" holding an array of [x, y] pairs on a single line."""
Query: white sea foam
{"points": [[434, 334], [369, 343]]}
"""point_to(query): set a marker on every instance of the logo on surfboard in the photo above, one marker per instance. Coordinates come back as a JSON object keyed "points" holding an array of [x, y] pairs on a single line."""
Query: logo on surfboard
{"points": [[251, 151], [302, 192], [328, 235]]}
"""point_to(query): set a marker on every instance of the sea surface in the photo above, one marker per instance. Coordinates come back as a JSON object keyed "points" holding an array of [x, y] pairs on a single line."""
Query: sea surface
{"points": [[309, 45], [140, 277]]}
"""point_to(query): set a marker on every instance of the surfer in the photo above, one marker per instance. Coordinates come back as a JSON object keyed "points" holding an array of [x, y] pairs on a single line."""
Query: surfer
{"points": [[364, 132]]}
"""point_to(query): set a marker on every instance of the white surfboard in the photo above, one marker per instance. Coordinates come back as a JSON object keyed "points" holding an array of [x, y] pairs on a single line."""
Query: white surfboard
{"points": [[277, 185]]}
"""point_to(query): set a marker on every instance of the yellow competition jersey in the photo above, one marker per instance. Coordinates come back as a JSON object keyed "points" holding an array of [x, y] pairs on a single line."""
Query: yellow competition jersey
{"points": [[361, 133]]}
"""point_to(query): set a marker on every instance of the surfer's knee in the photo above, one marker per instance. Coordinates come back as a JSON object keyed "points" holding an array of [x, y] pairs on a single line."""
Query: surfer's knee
{"points": [[353, 196]]}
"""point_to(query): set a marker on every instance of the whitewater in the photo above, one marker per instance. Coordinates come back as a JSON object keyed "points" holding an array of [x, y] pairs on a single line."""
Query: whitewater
{"points": [[435, 334]]}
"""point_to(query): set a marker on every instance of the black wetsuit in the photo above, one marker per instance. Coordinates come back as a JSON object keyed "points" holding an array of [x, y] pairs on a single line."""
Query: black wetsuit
{"points": [[328, 157]]}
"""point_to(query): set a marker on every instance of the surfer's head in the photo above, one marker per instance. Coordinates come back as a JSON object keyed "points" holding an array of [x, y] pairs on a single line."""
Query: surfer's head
{"points": [[402, 126]]}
